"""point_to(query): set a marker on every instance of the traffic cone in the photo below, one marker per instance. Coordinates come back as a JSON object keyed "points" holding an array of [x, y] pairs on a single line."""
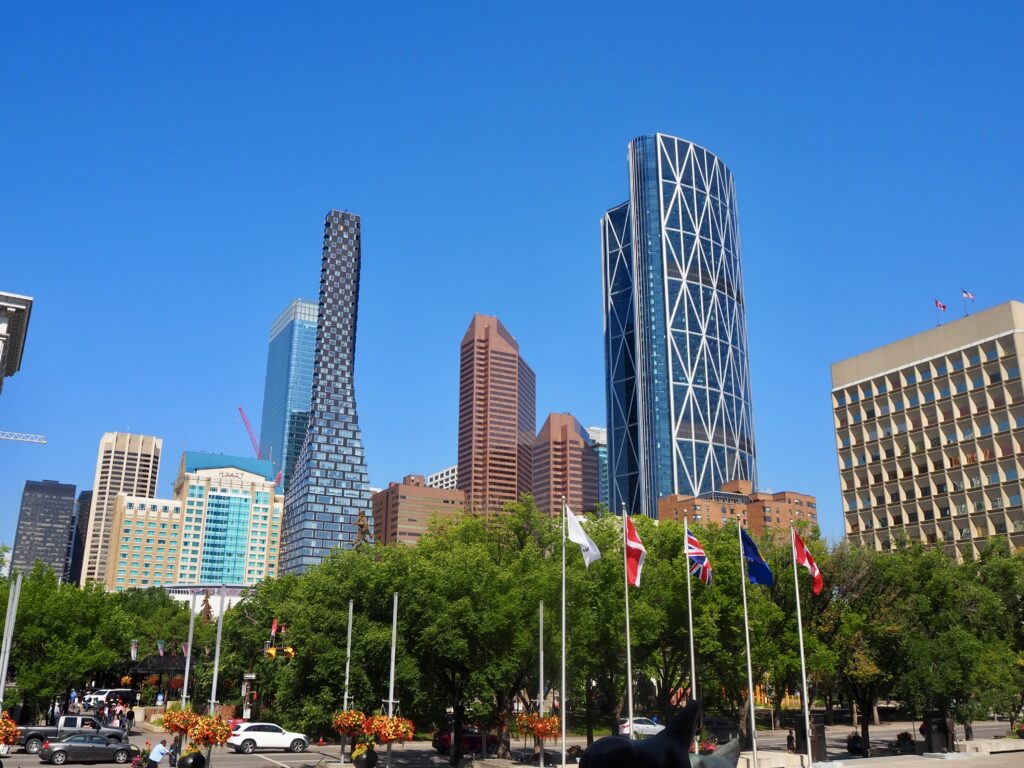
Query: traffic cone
{"points": [[321, 741]]}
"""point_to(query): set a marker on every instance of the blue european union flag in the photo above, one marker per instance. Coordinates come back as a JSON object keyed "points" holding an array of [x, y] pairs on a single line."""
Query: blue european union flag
{"points": [[757, 568]]}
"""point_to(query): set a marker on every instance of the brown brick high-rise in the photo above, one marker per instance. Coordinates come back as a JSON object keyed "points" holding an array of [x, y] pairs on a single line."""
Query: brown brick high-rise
{"points": [[497, 417], [565, 465]]}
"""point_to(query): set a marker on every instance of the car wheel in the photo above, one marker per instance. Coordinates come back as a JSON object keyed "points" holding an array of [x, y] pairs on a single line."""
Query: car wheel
{"points": [[297, 746], [59, 758], [248, 747], [33, 745], [121, 756]]}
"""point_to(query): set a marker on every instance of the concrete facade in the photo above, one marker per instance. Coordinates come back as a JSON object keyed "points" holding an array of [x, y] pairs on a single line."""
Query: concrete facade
{"points": [[126, 464], [929, 434], [15, 312], [447, 478], [402, 512]]}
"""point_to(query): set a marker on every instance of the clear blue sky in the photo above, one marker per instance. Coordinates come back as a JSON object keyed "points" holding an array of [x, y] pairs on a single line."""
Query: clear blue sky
{"points": [[166, 169]]}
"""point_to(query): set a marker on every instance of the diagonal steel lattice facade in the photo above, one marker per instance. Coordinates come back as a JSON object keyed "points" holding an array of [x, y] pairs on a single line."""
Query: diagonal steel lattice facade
{"points": [[677, 375]]}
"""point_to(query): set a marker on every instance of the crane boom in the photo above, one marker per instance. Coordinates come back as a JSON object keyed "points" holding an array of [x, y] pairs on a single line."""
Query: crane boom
{"points": [[252, 434], [22, 437]]}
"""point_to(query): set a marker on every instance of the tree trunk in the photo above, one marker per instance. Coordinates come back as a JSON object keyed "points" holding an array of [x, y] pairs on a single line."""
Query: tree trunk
{"points": [[455, 750], [504, 715], [830, 718], [864, 732], [854, 720]]}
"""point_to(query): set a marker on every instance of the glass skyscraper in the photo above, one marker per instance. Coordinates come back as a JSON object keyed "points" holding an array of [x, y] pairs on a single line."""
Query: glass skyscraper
{"points": [[677, 376], [289, 382], [329, 487]]}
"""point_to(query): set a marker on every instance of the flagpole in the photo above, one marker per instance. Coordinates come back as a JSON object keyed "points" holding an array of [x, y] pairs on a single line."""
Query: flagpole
{"points": [[561, 691], [629, 650], [188, 656], [540, 679], [348, 660], [803, 663], [689, 609], [746, 633]]}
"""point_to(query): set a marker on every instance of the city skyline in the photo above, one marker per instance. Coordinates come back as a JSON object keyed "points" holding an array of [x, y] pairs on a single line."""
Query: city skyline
{"points": [[805, 143]]}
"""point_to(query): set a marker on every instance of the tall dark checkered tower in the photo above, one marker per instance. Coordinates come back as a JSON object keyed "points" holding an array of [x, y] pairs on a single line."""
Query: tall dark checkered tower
{"points": [[329, 487]]}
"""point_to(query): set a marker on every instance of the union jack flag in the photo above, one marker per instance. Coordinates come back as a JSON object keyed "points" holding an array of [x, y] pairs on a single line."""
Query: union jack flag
{"points": [[700, 565]]}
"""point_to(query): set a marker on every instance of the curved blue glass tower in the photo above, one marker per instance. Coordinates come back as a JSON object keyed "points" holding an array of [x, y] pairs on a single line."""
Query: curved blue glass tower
{"points": [[678, 382]]}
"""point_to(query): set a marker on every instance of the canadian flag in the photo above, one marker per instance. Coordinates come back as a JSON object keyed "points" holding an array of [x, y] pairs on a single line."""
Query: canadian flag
{"points": [[940, 305], [803, 557], [635, 554]]}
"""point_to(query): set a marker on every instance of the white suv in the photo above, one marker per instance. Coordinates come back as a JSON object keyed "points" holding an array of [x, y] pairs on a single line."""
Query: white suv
{"points": [[248, 737]]}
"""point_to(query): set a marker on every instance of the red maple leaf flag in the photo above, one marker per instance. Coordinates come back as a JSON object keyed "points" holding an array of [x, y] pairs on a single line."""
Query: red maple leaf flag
{"points": [[940, 305], [635, 554], [803, 557]]}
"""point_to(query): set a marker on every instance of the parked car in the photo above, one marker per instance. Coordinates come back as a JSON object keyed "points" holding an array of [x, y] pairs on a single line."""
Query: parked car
{"points": [[722, 728], [87, 748], [33, 737], [93, 699], [248, 737], [471, 740], [643, 726]]}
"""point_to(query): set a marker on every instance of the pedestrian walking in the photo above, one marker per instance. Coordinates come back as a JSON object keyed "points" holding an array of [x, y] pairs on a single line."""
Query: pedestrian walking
{"points": [[157, 754], [791, 742], [129, 717]]}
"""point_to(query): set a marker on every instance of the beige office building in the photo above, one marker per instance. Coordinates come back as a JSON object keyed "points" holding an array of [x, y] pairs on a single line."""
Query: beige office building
{"points": [[930, 435], [126, 464], [223, 526], [402, 512]]}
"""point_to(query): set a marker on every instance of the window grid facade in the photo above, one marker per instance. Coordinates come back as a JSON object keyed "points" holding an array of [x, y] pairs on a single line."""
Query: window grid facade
{"points": [[329, 488], [933, 451], [126, 464], [289, 383]]}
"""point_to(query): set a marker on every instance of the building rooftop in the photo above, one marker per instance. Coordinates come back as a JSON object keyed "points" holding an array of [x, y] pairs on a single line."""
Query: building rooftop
{"points": [[16, 310], [194, 461], [991, 323]]}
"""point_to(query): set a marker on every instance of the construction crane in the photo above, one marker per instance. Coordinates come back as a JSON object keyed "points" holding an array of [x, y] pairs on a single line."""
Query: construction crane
{"points": [[254, 441], [252, 434], [21, 437]]}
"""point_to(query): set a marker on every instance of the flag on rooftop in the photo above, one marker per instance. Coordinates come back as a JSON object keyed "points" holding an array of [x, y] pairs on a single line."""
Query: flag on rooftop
{"points": [[967, 294], [940, 305]]}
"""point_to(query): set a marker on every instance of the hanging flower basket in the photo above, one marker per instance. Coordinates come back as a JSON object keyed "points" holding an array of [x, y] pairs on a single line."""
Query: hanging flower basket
{"points": [[180, 721], [540, 727], [387, 730], [9, 733], [210, 732], [350, 723]]}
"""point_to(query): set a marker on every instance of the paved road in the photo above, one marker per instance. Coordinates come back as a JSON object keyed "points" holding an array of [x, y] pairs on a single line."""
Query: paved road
{"points": [[420, 754]]}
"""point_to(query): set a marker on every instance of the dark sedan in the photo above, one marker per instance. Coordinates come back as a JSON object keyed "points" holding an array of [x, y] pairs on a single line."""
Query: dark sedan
{"points": [[471, 741], [87, 748]]}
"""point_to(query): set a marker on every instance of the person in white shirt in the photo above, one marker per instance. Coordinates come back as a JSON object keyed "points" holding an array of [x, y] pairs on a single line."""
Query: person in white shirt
{"points": [[157, 754]]}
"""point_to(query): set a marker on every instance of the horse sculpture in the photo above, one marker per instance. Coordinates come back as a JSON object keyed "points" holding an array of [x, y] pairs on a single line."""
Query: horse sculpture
{"points": [[668, 749]]}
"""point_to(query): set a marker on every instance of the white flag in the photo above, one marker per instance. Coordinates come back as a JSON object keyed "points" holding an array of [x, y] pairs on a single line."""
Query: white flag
{"points": [[576, 534]]}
